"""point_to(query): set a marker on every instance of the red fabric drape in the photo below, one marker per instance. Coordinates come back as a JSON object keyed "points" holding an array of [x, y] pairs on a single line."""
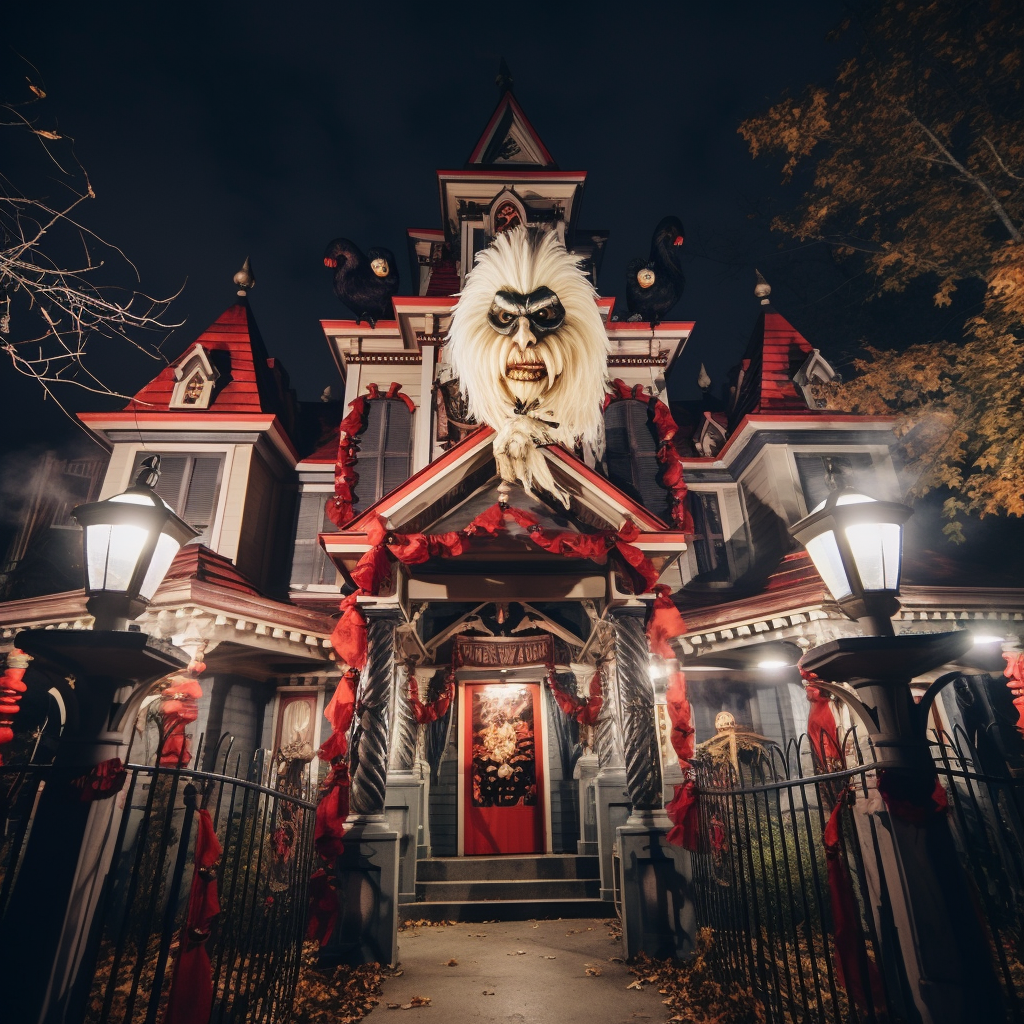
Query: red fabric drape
{"points": [[680, 714], [664, 624], [12, 689], [823, 732], [912, 796], [179, 708], [100, 782], [1014, 672], [323, 907], [586, 710], [682, 810], [191, 996], [434, 710], [854, 971]]}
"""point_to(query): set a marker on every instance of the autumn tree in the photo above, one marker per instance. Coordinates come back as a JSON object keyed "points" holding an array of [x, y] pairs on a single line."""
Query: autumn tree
{"points": [[912, 163], [65, 293]]}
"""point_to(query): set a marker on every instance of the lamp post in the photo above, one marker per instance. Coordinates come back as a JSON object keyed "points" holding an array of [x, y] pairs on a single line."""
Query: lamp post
{"points": [[51, 928], [856, 545]]}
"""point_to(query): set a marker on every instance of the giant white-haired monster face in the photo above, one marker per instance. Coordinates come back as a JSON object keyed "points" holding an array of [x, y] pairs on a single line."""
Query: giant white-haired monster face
{"points": [[530, 351]]}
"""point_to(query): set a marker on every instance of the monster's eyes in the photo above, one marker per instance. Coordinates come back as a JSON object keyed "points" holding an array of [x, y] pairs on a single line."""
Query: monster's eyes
{"points": [[545, 314], [505, 317]]}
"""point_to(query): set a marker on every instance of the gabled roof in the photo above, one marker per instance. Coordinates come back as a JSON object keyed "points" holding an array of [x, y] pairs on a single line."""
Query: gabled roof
{"points": [[510, 139], [776, 352], [233, 345], [448, 492]]}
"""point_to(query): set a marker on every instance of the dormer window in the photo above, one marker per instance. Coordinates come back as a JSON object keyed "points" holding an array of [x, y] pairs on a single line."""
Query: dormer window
{"points": [[817, 381], [507, 212], [194, 380]]}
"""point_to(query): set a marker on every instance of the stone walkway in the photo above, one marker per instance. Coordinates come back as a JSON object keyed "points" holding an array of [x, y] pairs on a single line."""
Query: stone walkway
{"points": [[519, 972]]}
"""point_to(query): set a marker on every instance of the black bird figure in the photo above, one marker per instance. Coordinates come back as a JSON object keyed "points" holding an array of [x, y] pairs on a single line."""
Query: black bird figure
{"points": [[364, 284], [655, 285]]}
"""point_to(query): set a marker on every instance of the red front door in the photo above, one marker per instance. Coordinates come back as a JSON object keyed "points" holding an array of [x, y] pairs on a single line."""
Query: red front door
{"points": [[503, 769]]}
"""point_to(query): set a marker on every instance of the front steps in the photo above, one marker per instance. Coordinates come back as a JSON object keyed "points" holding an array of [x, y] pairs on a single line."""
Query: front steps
{"points": [[512, 888]]}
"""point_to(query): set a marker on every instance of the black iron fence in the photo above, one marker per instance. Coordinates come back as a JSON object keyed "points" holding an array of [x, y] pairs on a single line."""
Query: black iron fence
{"points": [[763, 882], [263, 822]]}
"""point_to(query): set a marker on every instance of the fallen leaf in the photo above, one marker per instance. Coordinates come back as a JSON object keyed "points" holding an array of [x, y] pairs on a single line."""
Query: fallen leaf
{"points": [[543, 957], [638, 984], [518, 952], [488, 993], [420, 1001], [393, 1006], [593, 972], [450, 963], [616, 960]]}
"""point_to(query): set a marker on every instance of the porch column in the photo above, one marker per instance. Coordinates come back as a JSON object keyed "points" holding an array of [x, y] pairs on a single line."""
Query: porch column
{"points": [[404, 786], [367, 871], [611, 797], [658, 916]]}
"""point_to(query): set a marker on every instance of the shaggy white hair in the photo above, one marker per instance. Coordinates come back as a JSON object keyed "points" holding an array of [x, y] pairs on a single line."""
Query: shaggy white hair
{"points": [[566, 403]]}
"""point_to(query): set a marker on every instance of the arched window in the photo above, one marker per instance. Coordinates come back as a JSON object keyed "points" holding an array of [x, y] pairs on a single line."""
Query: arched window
{"points": [[385, 450], [631, 455]]}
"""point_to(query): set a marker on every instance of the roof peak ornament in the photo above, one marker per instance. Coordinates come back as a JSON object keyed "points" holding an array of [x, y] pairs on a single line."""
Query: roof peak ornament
{"points": [[504, 80], [762, 289], [245, 278]]}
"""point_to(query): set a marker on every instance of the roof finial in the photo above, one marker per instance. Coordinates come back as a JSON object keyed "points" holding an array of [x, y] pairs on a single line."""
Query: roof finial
{"points": [[245, 278], [703, 378], [504, 80], [762, 289]]}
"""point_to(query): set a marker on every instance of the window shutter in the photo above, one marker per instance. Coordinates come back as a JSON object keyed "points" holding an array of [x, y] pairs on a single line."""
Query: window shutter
{"points": [[708, 541], [172, 475], [369, 456], [201, 499], [307, 525], [397, 447]]}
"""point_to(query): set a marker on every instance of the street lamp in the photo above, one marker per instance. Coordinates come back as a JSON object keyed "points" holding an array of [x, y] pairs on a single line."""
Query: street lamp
{"points": [[856, 544], [129, 542]]}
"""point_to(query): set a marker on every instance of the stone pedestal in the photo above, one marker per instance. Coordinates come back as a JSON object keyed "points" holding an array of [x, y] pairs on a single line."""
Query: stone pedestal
{"points": [[367, 885], [658, 915], [586, 773], [612, 807], [402, 804]]}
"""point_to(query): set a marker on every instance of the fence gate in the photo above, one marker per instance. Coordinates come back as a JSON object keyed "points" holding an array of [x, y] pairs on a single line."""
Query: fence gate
{"points": [[772, 891], [155, 908]]}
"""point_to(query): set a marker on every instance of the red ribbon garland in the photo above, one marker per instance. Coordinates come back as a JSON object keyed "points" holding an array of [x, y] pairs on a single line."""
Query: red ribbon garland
{"points": [[191, 997], [179, 708], [666, 428], [434, 710], [586, 710], [12, 689], [1014, 672], [339, 506], [374, 567]]}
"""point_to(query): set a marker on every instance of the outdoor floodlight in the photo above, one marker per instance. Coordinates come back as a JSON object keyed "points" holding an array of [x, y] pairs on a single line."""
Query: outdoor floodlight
{"points": [[129, 542], [856, 544]]}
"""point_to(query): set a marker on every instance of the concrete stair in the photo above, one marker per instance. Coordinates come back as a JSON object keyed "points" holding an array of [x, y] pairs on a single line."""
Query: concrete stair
{"points": [[514, 888]]}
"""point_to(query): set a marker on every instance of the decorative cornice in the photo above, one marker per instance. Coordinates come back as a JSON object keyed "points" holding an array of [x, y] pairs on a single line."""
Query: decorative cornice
{"points": [[659, 360], [393, 358]]}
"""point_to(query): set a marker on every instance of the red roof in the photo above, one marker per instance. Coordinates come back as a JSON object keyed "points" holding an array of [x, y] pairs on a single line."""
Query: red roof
{"points": [[775, 353], [444, 279], [200, 563], [235, 349]]}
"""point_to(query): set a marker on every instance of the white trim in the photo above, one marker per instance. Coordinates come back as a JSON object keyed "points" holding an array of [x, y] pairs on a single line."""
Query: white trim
{"points": [[195, 360]]}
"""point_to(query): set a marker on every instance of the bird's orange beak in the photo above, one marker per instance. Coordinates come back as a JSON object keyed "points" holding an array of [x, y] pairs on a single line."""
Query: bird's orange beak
{"points": [[328, 262], [678, 240]]}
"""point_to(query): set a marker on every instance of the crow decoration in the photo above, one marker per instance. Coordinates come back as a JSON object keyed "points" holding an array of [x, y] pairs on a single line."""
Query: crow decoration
{"points": [[364, 284], [655, 285]]}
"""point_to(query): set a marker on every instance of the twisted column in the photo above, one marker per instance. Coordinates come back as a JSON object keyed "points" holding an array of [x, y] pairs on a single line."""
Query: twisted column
{"points": [[609, 736], [636, 703], [371, 735], [403, 741]]}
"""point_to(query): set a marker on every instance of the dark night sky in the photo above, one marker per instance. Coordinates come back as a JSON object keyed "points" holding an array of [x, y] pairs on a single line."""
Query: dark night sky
{"points": [[212, 132]]}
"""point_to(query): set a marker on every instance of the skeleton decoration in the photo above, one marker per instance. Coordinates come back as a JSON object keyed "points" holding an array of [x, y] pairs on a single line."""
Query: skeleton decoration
{"points": [[530, 351]]}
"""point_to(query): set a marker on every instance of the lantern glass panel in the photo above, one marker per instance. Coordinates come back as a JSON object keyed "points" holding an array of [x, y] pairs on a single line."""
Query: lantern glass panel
{"points": [[97, 544], [166, 548], [126, 546], [876, 550], [827, 560]]}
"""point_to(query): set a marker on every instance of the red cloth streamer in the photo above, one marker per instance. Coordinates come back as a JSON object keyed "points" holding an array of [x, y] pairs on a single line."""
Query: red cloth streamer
{"points": [[339, 713], [434, 710], [323, 907], [822, 730], [179, 708], [12, 689], [101, 782], [1014, 672], [664, 624], [331, 812], [191, 997], [680, 714], [586, 710], [854, 971], [682, 810]]}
